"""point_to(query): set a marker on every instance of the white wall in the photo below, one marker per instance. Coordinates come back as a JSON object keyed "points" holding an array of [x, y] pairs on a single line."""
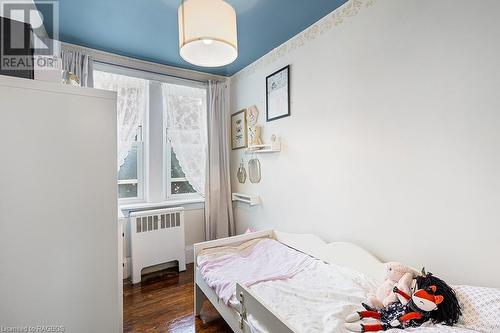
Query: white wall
{"points": [[394, 140]]}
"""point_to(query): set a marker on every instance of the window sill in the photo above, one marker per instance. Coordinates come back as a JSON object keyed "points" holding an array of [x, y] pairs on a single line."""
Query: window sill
{"points": [[163, 204]]}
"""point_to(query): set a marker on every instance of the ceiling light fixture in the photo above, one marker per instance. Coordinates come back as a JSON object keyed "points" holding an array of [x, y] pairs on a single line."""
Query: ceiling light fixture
{"points": [[207, 32]]}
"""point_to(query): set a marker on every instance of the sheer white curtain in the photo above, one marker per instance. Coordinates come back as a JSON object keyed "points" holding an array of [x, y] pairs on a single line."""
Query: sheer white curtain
{"points": [[219, 221], [185, 110], [131, 106]]}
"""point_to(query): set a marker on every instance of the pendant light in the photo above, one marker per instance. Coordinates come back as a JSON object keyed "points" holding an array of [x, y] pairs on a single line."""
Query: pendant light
{"points": [[207, 32]]}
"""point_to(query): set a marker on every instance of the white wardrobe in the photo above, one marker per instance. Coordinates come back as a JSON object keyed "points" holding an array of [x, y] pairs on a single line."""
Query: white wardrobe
{"points": [[58, 207]]}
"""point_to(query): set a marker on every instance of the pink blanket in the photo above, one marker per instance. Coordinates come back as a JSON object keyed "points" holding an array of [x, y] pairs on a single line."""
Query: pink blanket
{"points": [[265, 260]]}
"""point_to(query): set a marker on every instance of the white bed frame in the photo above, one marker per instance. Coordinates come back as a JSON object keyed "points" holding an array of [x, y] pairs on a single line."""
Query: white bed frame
{"points": [[341, 253]]}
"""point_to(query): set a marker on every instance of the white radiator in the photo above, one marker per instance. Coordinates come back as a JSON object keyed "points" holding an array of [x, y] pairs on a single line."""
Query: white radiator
{"points": [[156, 237]]}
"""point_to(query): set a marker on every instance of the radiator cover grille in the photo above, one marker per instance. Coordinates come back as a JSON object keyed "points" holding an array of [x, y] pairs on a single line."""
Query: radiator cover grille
{"points": [[153, 222]]}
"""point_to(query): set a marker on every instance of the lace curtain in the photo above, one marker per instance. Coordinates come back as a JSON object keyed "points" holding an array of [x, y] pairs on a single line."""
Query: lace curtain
{"points": [[185, 120], [131, 106]]}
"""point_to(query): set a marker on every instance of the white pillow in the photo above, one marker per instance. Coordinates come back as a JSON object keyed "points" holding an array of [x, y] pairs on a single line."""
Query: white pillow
{"points": [[480, 308]]}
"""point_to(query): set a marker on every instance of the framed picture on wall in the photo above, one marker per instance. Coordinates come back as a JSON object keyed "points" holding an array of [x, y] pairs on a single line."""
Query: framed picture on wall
{"points": [[239, 129], [278, 94]]}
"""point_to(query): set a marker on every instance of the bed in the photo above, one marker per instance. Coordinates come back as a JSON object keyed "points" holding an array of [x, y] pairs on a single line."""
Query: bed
{"points": [[326, 282]]}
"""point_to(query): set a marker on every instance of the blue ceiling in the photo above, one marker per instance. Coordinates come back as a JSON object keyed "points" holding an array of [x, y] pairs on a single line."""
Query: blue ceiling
{"points": [[147, 29]]}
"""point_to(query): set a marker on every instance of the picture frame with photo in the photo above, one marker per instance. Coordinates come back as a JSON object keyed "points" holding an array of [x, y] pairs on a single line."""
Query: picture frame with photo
{"points": [[278, 94], [239, 131]]}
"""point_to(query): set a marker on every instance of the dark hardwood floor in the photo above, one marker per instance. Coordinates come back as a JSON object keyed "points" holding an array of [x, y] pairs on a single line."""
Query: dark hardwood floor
{"points": [[163, 302]]}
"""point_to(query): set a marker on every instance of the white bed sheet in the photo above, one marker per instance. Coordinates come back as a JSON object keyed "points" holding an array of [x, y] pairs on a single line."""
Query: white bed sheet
{"points": [[318, 299]]}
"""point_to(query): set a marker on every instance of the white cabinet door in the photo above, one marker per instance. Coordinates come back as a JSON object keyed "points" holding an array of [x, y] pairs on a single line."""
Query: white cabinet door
{"points": [[58, 206]]}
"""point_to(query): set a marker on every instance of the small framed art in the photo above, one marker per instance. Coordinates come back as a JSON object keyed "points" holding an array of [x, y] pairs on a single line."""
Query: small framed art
{"points": [[239, 129], [278, 94]]}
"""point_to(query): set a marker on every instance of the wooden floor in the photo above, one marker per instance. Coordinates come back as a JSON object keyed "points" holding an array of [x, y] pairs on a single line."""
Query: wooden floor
{"points": [[163, 302]]}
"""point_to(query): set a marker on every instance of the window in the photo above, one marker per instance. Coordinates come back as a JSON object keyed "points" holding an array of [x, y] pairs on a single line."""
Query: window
{"points": [[184, 114], [164, 159], [132, 106]]}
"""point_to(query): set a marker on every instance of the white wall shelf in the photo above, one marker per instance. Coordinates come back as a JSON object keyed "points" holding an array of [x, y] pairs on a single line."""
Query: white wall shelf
{"points": [[252, 200], [273, 147]]}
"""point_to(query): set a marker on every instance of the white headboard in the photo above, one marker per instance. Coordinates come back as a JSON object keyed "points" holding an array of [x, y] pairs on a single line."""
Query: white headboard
{"points": [[340, 253]]}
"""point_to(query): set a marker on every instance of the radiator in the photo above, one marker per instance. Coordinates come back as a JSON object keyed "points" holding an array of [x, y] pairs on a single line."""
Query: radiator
{"points": [[156, 237]]}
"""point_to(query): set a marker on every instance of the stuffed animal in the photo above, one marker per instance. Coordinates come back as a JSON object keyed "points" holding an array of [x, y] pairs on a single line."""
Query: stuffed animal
{"points": [[406, 284], [396, 274], [435, 301]]}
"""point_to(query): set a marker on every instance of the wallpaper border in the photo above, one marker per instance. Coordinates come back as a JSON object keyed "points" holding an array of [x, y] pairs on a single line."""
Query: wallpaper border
{"points": [[349, 9]]}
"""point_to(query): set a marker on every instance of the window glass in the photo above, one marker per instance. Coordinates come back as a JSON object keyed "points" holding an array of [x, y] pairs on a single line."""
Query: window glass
{"points": [[129, 169], [179, 183], [182, 187], [127, 176]]}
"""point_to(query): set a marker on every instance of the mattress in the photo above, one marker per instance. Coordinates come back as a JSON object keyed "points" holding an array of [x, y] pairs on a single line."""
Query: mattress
{"points": [[318, 299], [315, 299]]}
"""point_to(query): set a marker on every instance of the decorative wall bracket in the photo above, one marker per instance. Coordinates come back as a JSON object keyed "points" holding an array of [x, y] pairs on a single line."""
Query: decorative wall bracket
{"points": [[252, 200]]}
